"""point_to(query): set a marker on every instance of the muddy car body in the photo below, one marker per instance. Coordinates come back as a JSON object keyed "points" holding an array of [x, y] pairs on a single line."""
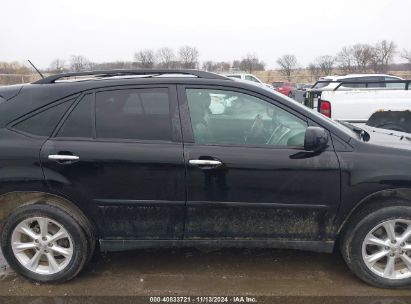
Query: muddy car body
{"points": [[137, 159]]}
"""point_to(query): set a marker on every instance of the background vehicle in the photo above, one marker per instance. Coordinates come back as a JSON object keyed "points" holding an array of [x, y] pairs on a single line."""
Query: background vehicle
{"points": [[391, 120], [358, 104], [147, 158], [298, 93], [349, 81], [285, 88], [247, 77]]}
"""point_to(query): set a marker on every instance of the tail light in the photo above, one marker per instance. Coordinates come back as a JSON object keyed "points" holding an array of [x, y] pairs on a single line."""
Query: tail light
{"points": [[325, 108]]}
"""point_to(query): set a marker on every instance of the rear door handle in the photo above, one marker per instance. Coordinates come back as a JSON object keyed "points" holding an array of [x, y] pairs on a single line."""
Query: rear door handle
{"points": [[204, 162], [61, 157]]}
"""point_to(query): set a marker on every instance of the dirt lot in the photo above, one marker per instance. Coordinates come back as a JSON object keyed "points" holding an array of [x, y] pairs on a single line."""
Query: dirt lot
{"points": [[192, 272]]}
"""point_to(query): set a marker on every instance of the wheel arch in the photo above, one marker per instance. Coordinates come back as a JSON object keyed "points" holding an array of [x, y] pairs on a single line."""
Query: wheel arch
{"points": [[403, 194], [12, 200]]}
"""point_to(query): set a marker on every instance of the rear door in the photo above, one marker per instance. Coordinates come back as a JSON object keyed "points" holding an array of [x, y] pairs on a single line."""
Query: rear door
{"points": [[119, 151]]}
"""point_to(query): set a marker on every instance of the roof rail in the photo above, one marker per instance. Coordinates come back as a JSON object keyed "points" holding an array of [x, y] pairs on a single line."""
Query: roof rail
{"points": [[342, 82], [123, 72]]}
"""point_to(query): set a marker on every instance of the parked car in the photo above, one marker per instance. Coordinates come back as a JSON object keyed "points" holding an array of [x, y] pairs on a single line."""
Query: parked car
{"points": [[247, 77], [357, 105], [138, 159], [298, 93], [285, 88], [348, 82]]}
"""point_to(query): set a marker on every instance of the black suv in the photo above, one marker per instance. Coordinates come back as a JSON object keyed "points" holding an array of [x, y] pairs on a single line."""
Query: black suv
{"points": [[149, 158]]}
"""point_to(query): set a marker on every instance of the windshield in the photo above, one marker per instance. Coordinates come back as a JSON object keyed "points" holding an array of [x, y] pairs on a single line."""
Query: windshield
{"points": [[277, 84], [320, 85]]}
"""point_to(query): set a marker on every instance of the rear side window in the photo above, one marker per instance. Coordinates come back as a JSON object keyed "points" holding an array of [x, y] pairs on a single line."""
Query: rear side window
{"points": [[395, 85], [43, 123], [364, 83], [142, 114], [79, 122]]}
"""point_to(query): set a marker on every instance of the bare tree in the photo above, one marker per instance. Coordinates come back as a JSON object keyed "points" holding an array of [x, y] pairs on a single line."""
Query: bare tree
{"points": [[236, 65], [212, 66], [345, 59], [144, 59], [287, 63], [406, 55], [325, 64], [13, 68], [251, 63], [225, 66], [188, 57], [166, 58], [363, 55], [314, 71], [384, 52], [79, 63], [57, 65]]}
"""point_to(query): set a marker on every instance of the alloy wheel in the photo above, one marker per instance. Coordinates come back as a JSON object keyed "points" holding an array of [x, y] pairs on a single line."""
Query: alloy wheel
{"points": [[386, 249], [42, 245]]}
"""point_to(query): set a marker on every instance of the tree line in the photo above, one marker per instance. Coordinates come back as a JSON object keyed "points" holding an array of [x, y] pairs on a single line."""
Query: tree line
{"points": [[357, 58], [186, 57]]}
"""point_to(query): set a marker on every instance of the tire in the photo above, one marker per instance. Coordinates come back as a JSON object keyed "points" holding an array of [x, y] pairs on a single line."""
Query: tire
{"points": [[85, 224], [57, 257], [359, 250]]}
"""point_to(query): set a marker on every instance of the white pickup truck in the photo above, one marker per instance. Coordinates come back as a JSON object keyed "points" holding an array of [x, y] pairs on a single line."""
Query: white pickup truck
{"points": [[348, 82], [357, 104]]}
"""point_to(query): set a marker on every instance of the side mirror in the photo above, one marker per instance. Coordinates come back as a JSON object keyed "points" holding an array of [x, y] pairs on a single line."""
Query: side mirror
{"points": [[315, 139]]}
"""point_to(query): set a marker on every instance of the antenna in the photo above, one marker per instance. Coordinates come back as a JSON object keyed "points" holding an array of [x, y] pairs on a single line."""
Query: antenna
{"points": [[36, 69]]}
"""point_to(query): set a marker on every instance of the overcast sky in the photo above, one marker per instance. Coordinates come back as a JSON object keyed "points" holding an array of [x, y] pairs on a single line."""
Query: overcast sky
{"points": [[101, 30]]}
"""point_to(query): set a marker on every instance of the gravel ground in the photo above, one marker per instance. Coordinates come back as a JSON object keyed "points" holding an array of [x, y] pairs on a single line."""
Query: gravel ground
{"points": [[192, 272], [4, 268]]}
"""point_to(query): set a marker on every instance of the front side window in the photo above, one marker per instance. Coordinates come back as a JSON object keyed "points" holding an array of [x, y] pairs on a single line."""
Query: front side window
{"points": [[233, 118], [141, 114]]}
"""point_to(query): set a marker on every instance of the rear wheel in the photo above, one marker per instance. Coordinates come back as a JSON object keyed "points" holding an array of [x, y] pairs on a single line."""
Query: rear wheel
{"points": [[377, 246], [44, 243]]}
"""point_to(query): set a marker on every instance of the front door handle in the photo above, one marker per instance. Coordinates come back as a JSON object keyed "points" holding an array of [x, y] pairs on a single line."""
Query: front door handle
{"points": [[204, 162], [61, 157]]}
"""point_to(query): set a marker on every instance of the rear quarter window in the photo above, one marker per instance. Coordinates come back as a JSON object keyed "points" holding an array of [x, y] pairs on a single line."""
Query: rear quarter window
{"points": [[44, 122]]}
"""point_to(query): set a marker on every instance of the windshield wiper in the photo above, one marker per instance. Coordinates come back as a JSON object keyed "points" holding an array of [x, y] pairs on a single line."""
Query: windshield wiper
{"points": [[364, 136]]}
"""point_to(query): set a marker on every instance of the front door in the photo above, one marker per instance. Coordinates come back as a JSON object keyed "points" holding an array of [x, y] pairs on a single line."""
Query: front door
{"points": [[119, 151], [248, 176]]}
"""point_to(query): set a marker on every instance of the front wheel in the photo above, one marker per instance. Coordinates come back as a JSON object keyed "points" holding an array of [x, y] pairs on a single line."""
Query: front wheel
{"points": [[44, 243], [377, 246]]}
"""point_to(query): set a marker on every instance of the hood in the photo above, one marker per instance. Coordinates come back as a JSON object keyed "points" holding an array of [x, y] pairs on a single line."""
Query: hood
{"points": [[387, 138]]}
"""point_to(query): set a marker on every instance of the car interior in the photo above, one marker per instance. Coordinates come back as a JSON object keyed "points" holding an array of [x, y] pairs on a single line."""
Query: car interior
{"points": [[224, 117]]}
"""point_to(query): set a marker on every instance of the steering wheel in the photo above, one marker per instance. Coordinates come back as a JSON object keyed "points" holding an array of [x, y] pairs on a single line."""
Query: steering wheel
{"points": [[256, 132]]}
